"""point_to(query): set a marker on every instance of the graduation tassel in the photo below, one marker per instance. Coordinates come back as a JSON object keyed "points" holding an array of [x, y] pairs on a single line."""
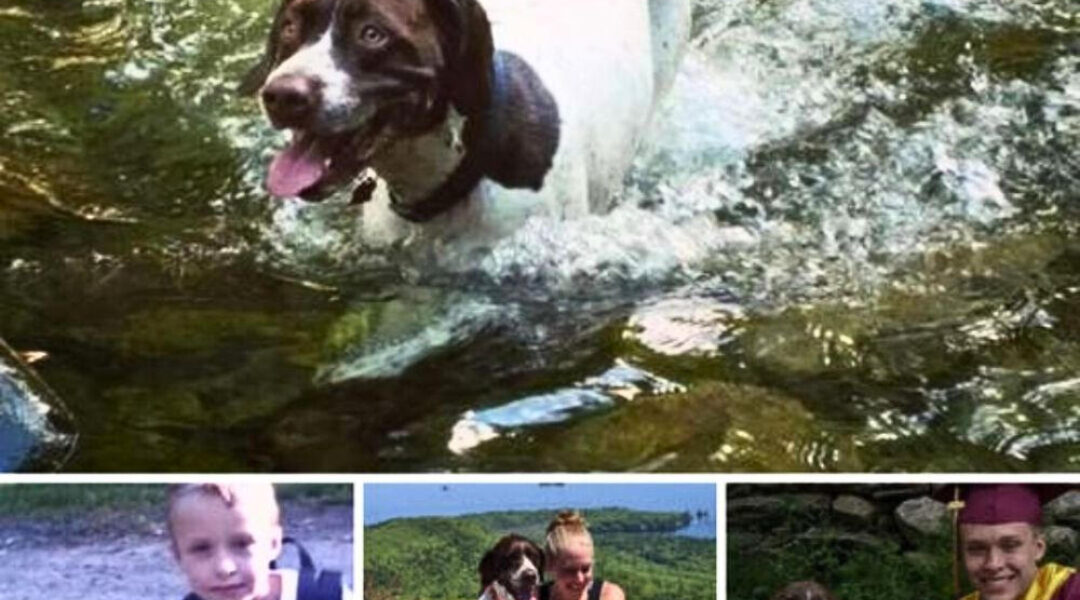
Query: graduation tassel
{"points": [[954, 507]]}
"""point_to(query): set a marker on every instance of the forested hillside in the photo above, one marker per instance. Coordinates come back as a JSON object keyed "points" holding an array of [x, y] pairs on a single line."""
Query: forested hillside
{"points": [[435, 558]]}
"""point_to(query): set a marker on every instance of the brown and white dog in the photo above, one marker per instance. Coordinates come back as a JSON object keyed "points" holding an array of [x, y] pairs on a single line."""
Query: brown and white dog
{"points": [[477, 114], [511, 569]]}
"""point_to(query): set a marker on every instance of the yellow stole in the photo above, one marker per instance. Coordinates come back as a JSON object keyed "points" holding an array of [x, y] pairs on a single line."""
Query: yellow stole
{"points": [[1048, 581]]}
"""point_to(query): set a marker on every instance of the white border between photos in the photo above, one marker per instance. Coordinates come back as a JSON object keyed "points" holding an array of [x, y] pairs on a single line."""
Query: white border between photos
{"points": [[720, 480]]}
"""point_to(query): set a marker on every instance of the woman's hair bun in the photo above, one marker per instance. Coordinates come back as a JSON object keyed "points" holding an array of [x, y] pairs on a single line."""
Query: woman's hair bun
{"points": [[568, 519]]}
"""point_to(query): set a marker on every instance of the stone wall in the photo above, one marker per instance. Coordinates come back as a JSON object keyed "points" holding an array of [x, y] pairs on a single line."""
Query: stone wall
{"points": [[906, 518]]}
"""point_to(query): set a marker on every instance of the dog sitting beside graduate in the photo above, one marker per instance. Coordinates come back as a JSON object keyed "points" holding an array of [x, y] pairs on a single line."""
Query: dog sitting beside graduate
{"points": [[978, 542]]}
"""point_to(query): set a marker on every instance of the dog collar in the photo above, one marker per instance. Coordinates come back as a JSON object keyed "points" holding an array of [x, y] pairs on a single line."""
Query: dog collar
{"points": [[463, 180]]}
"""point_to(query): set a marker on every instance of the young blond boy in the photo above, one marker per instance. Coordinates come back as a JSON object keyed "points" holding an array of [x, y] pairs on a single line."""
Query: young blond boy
{"points": [[224, 537]]}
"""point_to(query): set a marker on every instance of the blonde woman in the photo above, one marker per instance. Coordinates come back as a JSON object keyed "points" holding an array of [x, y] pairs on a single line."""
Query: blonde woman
{"points": [[568, 554]]}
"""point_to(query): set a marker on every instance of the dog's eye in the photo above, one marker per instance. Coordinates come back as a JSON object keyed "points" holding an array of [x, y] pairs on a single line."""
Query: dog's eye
{"points": [[290, 29], [372, 36]]}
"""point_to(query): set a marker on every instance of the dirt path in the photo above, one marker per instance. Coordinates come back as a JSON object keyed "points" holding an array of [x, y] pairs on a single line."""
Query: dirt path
{"points": [[127, 557]]}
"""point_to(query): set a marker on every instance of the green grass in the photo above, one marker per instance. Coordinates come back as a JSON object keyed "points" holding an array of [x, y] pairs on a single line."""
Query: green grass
{"points": [[852, 574], [65, 499], [322, 493], [46, 500], [796, 545]]}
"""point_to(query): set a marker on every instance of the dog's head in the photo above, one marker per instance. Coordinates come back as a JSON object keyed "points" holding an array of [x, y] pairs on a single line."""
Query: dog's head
{"points": [[803, 590], [515, 563], [346, 75]]}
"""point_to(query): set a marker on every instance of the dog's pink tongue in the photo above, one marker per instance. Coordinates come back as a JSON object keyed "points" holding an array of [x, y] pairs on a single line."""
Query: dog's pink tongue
{"points": [[296, 168]]}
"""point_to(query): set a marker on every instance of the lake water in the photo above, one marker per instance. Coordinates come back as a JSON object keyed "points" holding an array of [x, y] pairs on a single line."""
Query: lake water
{"points": [[390, 501], [851, 245]]}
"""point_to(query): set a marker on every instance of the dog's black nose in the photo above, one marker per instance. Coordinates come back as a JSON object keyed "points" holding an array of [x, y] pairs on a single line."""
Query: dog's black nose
{"points": [[529, 577], [290, 100]]}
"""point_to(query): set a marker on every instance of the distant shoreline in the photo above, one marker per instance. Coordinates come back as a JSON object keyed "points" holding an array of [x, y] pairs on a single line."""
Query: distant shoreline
{"points": [[389, 501]]}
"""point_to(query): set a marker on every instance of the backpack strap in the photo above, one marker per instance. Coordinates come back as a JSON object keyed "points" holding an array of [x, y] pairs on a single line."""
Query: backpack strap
{"points": [[595, 589], [313, 584]]}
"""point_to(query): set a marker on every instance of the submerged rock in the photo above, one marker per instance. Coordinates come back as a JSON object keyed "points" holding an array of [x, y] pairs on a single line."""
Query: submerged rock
{"points": [[37, 433], [621, 383], [385, 338], [715, 426]]}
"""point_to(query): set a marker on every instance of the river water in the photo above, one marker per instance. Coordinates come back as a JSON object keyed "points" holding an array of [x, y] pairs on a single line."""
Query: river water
{"points": [[850, 245]]}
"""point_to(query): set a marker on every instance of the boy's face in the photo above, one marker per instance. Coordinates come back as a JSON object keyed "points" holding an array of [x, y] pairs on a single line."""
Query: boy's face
{"points": [[1001, 560], [224, 551]]}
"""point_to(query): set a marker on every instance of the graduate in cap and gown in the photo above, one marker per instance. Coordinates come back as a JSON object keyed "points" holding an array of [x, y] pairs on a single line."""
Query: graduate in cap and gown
{"points": [[1001, 543]]}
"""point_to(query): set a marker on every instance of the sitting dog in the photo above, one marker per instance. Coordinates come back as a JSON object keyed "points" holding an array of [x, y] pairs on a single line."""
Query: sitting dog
{"points": [[511, 569], [477, 114]]}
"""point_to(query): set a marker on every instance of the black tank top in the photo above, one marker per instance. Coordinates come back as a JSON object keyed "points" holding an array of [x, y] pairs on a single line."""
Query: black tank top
{"points": [[594, 590]]}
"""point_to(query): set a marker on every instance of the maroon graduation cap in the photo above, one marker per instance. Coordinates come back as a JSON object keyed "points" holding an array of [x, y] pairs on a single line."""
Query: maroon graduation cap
{"points": [[994, 504]]}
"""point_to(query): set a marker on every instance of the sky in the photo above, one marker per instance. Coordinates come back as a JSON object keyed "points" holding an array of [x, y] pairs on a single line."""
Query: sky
{"points": [[393, 500]]}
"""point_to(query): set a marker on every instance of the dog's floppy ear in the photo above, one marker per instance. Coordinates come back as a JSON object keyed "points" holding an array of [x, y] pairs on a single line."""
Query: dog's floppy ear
{"points": [[487, 570], [469, 51], [256, 75]]}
